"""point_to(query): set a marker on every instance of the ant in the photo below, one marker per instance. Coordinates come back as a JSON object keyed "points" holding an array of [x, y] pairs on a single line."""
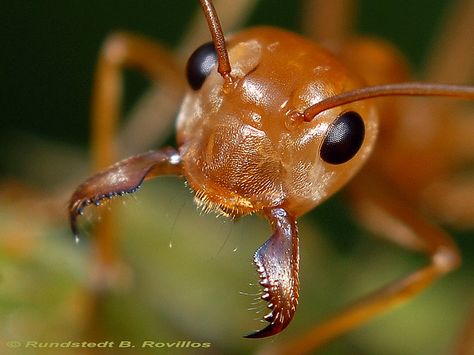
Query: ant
{"points": [[274, 124]]}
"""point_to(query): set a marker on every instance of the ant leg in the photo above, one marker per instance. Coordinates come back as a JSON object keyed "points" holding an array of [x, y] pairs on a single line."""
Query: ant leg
{"points": [[121, 50], [329, 22], [451, 200], [277, 262], [447, 60], [390, 217], [450, 195], [465, 342]]}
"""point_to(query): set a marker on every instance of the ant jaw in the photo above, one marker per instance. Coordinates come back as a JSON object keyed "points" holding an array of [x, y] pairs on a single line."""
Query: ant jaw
{"points": [[124, 177], [271, 329], [277, 262]]}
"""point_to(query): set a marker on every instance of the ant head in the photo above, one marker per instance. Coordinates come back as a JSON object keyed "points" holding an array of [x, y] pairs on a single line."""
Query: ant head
{"points": [[274, 120], [245, 145]]}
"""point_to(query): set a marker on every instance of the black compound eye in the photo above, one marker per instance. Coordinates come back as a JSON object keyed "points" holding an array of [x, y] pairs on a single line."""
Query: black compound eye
{"points": [[200, 64], [344, 138]]}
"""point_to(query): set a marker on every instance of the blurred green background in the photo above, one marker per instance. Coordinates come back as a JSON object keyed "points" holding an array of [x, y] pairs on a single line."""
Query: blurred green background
{"points": [[182, 273]]}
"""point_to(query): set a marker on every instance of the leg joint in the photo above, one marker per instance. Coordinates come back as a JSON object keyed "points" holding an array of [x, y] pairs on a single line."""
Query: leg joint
{"points": [[446, 259]]}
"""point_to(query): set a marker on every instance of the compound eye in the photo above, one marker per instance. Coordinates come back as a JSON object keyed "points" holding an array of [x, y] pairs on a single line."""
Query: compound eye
{"points": [[200, 64], [344, 138]]}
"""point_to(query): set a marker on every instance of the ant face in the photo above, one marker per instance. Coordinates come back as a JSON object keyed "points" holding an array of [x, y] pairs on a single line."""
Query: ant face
{"points": [[241, 146]]}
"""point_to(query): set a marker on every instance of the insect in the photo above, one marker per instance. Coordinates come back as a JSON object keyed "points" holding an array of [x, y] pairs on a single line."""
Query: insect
{"points": [[274, 124]]}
